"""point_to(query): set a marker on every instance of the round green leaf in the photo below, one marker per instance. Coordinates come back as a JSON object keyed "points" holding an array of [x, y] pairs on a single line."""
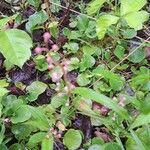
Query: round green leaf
{"points": [[72, 139], [22, 114], [137, 56], [15, 46]]}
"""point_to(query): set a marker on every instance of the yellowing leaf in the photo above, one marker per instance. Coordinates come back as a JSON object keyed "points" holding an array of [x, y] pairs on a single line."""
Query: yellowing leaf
{"points": [[103, 23], [136, 19], [94, 6], [128, 6]]}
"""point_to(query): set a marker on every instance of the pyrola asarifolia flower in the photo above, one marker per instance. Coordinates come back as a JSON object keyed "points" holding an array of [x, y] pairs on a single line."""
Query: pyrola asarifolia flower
{"points": [[56, 77], [38, 50], [55, 47], [46, 37]]}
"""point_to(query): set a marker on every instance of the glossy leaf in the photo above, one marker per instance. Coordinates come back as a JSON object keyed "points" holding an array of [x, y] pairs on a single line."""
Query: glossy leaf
{"points": [[15, 46]]}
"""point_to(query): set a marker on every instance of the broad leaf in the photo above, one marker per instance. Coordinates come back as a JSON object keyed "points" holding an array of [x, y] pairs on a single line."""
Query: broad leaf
{"points": [[72, 139], [128, 6], [103, 23], [94, 6], [35, 89], [115, 81], [142, 119], [3, 91], [136, 19], [22, 114], [36, 19], [102, 99], [35, 139], [39, 118], [15, 46], [47, 143]]}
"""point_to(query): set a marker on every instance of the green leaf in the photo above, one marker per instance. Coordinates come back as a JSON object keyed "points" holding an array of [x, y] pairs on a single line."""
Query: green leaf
{"points": [[83, 79], [103, 23], [39, 117], [35, 89], [35, 139], [142, 119], [71, 47], [59, 100], [82, 23], [34, 3], [128, 6], [72, 139], [137, 56], [102, 99], [129, 33], [36, 19], [5, 20], [3, 91], [119, 51], [22, 114], [141, 17], [47, 143], [112, 146], [94, 6], [21, 131], [3, 147], [137, 140], [96, 147], [15, 46], [16, 146], [3, 83], [115, 81], [87, 61], [54, 29]]}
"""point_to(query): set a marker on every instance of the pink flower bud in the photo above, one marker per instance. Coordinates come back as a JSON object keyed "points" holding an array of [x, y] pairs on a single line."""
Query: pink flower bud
{"points": [[49, 59], [46, 36], [50, 66], [55, 47], [38, 50], [56, 77], [66, 89]]}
